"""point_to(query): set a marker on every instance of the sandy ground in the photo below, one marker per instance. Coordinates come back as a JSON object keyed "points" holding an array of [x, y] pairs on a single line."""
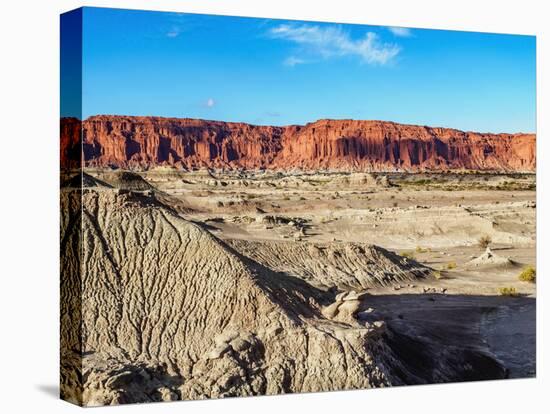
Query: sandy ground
{"points": [[435, 219]]}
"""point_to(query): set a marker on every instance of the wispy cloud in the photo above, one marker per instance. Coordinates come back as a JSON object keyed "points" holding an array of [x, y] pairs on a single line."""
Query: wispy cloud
{"points": [[293, 61], [400, 31], [333, 41], [210, 102], [173, 32]]}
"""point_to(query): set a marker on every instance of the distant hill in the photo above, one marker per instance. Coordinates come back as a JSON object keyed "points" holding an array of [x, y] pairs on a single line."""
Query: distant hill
{"points": [[347, 145]]}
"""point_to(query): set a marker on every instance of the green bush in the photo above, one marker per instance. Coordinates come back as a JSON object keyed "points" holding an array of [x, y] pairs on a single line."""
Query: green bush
{"points": [[408, 255], [451, 265], [529, 274]]}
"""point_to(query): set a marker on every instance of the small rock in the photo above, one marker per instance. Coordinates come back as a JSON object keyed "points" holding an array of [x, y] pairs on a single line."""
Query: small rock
{"points": [[353, 295], [166, 394], [240, 344], [218, 351], [122, 379], [226, 337]]}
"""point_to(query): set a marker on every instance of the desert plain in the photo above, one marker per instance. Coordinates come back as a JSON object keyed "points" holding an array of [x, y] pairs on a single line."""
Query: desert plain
{"points": [[405, 249], [190, 282]]}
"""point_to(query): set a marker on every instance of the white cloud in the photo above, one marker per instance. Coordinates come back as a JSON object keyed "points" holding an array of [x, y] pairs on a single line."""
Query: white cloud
{"points": [[332, 41], [400, 31], [174, 32], [293, 61], [210, 103]]}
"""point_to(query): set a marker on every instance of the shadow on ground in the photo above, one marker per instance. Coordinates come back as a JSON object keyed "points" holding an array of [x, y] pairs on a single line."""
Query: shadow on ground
{"points": [[50, 390]]}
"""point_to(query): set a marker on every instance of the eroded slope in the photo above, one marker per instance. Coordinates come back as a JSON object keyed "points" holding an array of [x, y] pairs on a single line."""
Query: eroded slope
{"points": [[171, 312], [344, 266]]}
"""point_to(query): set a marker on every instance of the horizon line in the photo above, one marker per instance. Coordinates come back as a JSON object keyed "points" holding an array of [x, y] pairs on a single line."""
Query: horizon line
{"points": [[303, 125]]}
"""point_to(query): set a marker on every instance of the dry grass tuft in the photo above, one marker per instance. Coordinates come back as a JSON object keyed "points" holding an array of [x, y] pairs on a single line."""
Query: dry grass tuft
{"points": [[529, 274], [451, 265], [484, 241], [508, 291]]}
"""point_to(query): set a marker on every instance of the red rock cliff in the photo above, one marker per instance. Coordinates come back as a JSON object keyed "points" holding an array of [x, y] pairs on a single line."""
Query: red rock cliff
{"points": [[144, 142]]}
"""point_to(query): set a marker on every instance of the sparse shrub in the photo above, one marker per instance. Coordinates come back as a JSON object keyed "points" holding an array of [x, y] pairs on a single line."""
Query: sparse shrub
{"points": [[408, 255], [421, 250], [484, 241], [529, 274], [451, 265], [438, 275], [508, 291], [395, 204]]}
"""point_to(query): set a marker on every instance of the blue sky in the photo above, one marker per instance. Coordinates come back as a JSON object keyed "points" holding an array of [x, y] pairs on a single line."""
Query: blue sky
{"points": [[281, 72]]}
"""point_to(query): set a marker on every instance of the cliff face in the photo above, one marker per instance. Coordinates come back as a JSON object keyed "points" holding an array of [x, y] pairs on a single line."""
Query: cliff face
{"points": [[145, 142], [377, 145], [69, 146]]}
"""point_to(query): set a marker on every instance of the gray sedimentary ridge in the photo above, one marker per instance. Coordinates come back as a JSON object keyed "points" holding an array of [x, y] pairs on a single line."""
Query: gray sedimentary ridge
{"points": [[156, 308]]}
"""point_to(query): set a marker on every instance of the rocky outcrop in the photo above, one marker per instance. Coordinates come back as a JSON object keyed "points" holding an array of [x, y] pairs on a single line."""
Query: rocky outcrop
{"points": [[167, 311], [70, 131], [163, 310], [377, 145], [145, 142], [347, 266], [189, 143]]}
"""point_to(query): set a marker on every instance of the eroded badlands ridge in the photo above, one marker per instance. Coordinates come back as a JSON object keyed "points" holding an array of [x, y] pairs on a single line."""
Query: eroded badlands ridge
{"points": [[164, 310], [146, 142]]}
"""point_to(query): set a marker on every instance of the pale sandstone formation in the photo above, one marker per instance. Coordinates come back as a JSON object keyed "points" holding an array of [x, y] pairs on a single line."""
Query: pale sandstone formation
{"points": [[343, 265], [489, 258], [351, 145], [163, 310], [126, 180]]}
